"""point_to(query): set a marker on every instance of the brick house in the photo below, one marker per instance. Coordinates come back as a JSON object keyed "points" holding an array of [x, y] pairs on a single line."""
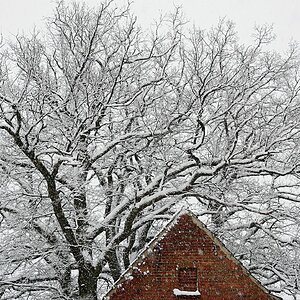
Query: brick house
{"points": [[186, 261]]}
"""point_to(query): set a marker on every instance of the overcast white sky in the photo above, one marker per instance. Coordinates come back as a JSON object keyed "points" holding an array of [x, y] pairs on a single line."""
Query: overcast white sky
{"points": [[21, 15]]}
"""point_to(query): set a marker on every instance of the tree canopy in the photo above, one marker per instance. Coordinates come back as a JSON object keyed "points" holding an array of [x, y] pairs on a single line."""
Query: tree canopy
{"points": [[107, 130]]}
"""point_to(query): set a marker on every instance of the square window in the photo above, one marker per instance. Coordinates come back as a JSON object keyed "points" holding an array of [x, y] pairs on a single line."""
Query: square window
{"points": [[187, 278]]}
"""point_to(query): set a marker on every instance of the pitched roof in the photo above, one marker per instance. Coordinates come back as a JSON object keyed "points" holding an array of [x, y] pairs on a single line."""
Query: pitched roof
{"points": [[149, 249]]}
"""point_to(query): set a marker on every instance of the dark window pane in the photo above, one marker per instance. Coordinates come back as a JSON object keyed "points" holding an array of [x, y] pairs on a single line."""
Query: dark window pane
{"points": [[187, 279]]}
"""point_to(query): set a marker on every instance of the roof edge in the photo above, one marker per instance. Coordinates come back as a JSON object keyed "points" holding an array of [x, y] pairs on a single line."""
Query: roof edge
{"points": [[144, 253]]}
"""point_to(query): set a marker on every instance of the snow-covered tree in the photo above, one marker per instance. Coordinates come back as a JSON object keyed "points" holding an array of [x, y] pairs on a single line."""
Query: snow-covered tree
{"points": [[106, 130]]}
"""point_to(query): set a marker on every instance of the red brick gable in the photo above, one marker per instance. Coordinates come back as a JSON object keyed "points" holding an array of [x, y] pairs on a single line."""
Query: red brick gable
{"points": [[186, 260]]}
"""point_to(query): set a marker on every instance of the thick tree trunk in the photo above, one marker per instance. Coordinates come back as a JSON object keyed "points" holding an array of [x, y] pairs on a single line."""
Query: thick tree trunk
{"points": [[87, 282], [65, 281]]}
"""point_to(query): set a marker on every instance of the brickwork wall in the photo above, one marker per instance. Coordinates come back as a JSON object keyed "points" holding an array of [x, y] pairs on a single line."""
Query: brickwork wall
{"points": [[186, 245]]}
